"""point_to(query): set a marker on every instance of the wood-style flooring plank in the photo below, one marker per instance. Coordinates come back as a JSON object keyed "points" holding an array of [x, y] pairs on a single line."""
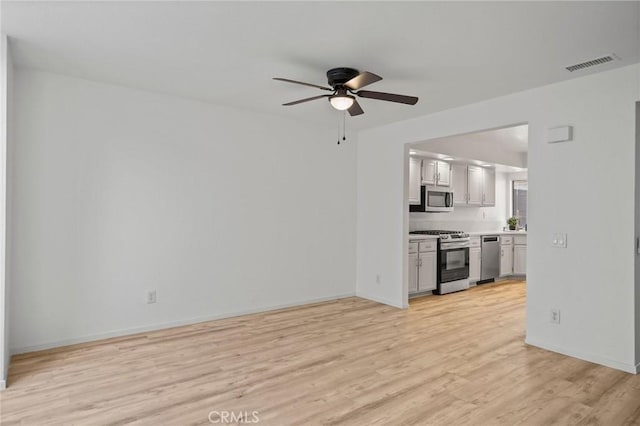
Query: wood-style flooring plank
{"points": [[458, 359]]}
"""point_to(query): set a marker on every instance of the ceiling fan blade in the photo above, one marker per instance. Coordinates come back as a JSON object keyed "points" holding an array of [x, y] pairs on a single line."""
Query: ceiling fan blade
{"points": [[304, 84], [365, 78], [355, 109], [305, 100], [391, 97]]}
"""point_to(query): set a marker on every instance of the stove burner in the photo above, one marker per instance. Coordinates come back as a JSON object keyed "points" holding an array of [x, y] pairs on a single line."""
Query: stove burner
{"points": [[443, 234], [436, 232]]}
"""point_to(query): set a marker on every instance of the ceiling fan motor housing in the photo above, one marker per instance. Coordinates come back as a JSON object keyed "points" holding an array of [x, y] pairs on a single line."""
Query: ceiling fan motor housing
{"points": [[339, 76]]}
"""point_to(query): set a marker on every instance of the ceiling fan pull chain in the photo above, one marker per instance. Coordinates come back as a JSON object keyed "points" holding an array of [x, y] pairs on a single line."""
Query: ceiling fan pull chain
{"points": [[344, 125], [338, 130]]}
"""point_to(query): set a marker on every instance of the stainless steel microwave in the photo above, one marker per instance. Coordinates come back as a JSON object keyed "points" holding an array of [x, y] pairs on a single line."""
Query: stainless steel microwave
{"points": [[433, 200]]}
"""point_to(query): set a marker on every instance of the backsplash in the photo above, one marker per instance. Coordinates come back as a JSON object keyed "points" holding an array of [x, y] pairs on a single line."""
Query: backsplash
{"points": [[417, 222]]}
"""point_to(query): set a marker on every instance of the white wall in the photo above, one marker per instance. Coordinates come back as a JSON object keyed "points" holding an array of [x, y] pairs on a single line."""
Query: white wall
{"points": [[468, 218], [6, 83], [637, 228], [117, 191], [469, 147], [592, 281]]}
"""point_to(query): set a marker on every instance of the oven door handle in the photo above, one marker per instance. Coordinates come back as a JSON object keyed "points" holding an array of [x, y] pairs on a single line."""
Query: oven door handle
{"points": [[452, 246]]}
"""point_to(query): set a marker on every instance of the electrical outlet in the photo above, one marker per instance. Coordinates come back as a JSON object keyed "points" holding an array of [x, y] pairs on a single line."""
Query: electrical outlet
{"points": [[151, 297], [559, 240], [554, 316]]}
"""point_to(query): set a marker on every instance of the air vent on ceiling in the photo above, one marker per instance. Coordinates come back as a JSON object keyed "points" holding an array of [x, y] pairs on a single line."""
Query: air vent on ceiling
{"points": [[591, 63]]}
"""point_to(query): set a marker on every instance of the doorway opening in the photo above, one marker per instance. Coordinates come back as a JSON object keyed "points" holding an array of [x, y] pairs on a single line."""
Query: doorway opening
{"points": [[468, 202]]}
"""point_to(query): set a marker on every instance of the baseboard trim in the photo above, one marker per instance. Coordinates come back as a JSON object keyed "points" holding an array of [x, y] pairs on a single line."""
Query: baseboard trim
{"points": [[3, 383], [637, 368], [596, 359], [171, 324], [383, 301]]}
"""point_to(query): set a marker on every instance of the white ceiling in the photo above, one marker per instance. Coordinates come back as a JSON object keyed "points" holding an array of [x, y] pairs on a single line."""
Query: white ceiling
{"points": [[446, 53], [507, 146]]}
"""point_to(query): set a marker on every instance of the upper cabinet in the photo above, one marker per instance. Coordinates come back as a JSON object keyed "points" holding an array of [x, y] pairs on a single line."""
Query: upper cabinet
{"points": [[488, 187], [436, 173], [429, 171], [414, 180], [459, 183], [473, 185], [444, 174]]}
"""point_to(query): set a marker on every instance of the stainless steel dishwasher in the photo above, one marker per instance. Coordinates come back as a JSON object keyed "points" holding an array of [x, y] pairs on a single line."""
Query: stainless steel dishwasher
{"points": [[490, 267]]}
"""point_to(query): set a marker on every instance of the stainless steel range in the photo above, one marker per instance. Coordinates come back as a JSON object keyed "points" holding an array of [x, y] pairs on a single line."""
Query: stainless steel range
{"points": [[453, 260]]}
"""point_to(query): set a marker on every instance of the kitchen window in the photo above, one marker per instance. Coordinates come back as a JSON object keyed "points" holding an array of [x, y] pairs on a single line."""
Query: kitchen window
{"points": [[519, 201]]}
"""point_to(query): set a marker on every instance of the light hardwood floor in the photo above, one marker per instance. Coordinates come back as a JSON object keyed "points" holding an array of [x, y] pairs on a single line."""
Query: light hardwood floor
{"points": [[448, 360]]}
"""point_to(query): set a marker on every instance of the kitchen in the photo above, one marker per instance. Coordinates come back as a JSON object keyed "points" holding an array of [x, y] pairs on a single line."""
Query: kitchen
{"points": [[468, 211]]}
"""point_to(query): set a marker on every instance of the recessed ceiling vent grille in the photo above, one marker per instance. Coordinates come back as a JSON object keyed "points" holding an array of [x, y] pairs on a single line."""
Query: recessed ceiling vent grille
{"points": [[591, 63]]}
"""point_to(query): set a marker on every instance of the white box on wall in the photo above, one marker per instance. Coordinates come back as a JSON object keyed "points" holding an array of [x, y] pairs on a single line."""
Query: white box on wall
{"points": [[559, 134]]}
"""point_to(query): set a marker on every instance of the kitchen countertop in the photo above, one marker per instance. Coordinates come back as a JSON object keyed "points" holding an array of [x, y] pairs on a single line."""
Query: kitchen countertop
{"points": [[477, 234], [422, 237]]}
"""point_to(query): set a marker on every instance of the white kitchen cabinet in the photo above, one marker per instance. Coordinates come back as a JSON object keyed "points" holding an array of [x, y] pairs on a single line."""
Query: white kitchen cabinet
{"points": [[506, 256], [415, 169], [472, 185], [475, 262], [444, 174], [519, 260], [475, 185], [429, 171], [520, 255], [427, 271], [413, 273], [488, 187], [423, 262], [459, 183], [436, 173]]}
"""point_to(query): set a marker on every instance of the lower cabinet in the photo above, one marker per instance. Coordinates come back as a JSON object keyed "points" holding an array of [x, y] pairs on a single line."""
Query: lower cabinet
{"points": [[475, 259], [423, 263], [520, 260], [475, 263], [413, 272], [506, 259], [427, 271]]}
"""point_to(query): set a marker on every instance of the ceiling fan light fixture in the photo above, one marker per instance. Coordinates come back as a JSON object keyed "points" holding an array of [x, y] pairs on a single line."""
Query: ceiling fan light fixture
{"points": [[341, 102]]}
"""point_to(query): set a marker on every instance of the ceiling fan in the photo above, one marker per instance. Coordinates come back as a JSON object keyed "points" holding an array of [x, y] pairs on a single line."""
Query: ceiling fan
{"points": [[345, 83]]}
